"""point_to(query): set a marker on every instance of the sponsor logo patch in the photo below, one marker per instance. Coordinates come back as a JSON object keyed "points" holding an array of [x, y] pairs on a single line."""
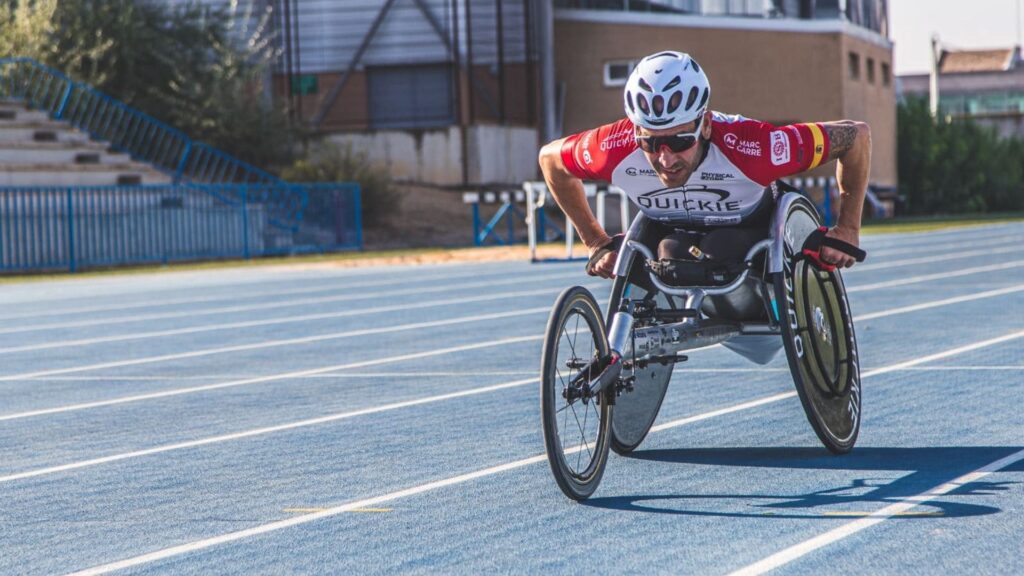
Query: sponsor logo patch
{"points": [[617, 140], [715, 177], [631, 171], [731, 140], [780, 148], [586, 157]]}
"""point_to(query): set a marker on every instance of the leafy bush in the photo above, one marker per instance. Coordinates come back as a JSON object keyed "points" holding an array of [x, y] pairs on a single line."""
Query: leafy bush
{"points": [[198, 68], [331, 163], [955, 167]]}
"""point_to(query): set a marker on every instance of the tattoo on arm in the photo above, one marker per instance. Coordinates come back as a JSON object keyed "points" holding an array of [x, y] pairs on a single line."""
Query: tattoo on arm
{"points": [[840, 137]]}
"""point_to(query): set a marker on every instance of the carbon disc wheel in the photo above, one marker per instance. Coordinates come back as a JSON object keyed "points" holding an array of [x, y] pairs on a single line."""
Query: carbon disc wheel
{"points": [[817, 329], [576, 424], [636, 411]]}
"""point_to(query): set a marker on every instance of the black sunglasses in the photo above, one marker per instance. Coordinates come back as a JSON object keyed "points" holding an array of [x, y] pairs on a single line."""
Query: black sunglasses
{"points": [[676, 142]]}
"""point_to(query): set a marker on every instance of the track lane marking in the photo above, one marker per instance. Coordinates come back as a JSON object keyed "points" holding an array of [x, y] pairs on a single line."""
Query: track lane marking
{"points": [[901, 507], [317, 372], [494, 470], [338, 283], [277, 305], [274, 321], [291, 341], [265, 430]]}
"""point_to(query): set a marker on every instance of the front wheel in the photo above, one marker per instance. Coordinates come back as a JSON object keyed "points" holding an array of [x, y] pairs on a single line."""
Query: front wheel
{"points": [[576, 424]]}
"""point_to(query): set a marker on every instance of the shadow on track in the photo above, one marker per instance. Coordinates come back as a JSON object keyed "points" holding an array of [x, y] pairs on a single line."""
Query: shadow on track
{"points": [[926, 466]]}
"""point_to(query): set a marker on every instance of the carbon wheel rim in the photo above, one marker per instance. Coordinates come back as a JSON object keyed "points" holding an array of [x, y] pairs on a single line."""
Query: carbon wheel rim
{"points": [[578, 418]]}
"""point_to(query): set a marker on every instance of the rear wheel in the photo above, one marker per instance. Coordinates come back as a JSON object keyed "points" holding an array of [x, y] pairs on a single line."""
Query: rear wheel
{"points": [[576, 423], [636, 411], [817, 329]]}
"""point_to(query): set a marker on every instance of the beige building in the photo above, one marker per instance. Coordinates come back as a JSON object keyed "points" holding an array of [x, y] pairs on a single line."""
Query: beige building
{"points": [[778, 70]]}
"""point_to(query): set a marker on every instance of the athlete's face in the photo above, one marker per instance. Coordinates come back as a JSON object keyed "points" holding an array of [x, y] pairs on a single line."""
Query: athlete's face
{"points": [[675, 168]]}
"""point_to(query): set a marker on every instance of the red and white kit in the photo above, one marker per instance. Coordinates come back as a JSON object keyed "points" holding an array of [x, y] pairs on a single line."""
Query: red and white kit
{"points": [[744, 157]]}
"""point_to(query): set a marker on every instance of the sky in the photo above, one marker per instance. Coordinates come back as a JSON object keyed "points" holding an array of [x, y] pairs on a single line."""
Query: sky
{"points": [[960, 24]]}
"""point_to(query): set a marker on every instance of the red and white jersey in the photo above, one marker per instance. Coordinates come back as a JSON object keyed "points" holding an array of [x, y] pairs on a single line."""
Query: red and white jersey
{"points": [[744, 157]]}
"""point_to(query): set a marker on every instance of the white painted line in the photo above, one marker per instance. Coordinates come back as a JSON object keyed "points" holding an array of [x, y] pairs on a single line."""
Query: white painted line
{"points": [[270, 378], [974, 242], [310, 377], [935, 276], [122, 400], [417, 290], [937, 258], [464, 478], [456, 301], [266, 430], [157, 299], [946, 302], [806, 547], [275, 343]]}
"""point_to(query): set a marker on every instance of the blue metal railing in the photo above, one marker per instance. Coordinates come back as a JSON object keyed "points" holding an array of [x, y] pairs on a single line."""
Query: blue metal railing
{"points": [[126, 129], [50, 227], [138, 134]]}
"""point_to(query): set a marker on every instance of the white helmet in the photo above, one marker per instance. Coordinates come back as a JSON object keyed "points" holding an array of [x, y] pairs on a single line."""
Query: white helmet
{"points": [[665, 90]]}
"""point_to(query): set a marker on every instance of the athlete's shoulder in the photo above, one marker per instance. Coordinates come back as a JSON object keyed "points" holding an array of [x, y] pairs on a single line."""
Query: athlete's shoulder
{"points": [[594, 154]]}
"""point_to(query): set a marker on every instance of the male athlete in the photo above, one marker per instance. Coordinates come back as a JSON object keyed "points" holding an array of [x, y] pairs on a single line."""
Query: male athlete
{"points": [[700, 173]]}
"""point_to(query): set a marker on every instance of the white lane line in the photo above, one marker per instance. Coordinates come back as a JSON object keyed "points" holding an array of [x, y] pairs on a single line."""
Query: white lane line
{"points": [[156, 300], [464, 478], [271, 343], [903, 505], [122, 400], [266, 430], [276, 321], [936, 258], [277, 305], [1019, 368], [935, 276], [270, 378], [946, 302], [330, 418], [310, 377], [958, 245]]}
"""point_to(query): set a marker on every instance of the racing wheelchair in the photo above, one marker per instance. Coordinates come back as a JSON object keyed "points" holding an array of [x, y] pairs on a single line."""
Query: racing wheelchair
{"points": [[604, 376]]}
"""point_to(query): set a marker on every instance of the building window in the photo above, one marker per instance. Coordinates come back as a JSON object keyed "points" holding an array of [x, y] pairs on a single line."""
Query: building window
{"points": [[617, 72], [871, 70], [412, 96], [854, 66], [885, 74]]}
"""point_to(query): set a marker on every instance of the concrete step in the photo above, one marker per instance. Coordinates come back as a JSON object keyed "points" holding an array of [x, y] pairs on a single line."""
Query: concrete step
{"points": [[21, 114], [59, 153], [79, 174], [39, 132]]}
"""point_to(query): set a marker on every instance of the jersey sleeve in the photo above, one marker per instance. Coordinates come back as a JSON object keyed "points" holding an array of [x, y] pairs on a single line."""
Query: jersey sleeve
{"points": [[766, 153], [594, 154]]}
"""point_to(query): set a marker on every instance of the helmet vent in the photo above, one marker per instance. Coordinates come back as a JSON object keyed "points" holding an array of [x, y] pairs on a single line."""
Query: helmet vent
{"points": [[704, 98], [696, 68], [659, 105], [629, 101], [675, 82], [642, 103], [692, 97], [643, 84], [675, 101]]}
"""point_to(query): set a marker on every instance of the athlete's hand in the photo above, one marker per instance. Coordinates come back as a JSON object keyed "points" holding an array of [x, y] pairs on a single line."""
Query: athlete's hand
{"points": [[833, 256], [605, 267], [602, 259]]}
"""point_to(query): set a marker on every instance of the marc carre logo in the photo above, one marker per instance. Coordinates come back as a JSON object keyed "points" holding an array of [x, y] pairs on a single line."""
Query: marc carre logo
{"points": [[714, 176], [730, 140], [780, 148], [631, 171], [749, 147], [586, 157]]}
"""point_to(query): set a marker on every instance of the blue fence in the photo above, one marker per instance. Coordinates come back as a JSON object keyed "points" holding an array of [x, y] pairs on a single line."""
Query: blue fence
{"points": [[52, 228]]}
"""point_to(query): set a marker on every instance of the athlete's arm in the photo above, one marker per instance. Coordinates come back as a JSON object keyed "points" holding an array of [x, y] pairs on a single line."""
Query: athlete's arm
{"points": [[567, 190], [850, 145]]}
